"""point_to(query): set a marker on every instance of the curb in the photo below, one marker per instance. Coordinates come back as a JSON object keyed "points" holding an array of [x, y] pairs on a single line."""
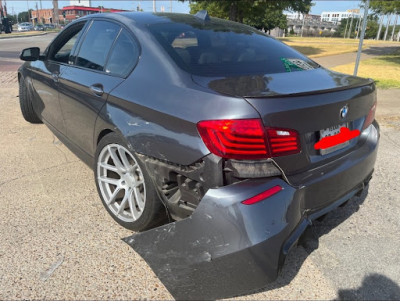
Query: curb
{"points": [[27, 36]]}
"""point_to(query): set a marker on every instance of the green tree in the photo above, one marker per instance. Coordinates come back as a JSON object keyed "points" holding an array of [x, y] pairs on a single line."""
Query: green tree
{"points": [[24, 16], [386, 8], [258, 13], [370, 32], [12, 18], [372, 28]]}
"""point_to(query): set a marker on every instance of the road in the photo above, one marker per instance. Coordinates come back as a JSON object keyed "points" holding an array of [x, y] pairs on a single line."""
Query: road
{"points": [[10, 49], [58, 242]]}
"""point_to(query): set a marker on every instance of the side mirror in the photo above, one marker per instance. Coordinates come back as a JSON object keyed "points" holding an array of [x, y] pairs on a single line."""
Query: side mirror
{"points": [[30, 54]]}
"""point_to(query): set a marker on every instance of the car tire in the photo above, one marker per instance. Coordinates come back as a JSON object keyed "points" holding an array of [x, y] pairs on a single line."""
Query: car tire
{"points": [[125, 187], [26, 105]]}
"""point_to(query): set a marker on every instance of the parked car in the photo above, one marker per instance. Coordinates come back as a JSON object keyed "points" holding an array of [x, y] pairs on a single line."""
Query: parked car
{"points": [[238, 139], [49, 26], [24, 27], [39, 27]]}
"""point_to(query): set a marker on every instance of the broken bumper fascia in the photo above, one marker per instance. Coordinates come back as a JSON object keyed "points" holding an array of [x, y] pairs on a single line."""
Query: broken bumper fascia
{"points": [[226, 248]]}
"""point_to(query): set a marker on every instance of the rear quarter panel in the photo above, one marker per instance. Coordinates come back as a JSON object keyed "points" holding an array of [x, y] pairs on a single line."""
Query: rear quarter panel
{"points": [[158, 106]]}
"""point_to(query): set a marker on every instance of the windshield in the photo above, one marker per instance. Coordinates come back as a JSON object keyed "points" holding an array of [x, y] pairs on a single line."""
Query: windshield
{"points": [[223, 48]]}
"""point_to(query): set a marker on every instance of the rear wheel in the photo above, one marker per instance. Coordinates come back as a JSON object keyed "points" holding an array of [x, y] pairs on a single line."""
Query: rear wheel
{"points": [[125, 187], [26, 105]]}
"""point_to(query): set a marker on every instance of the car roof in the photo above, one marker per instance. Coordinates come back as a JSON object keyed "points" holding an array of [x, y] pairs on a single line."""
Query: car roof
{"points": [[142, 19]]}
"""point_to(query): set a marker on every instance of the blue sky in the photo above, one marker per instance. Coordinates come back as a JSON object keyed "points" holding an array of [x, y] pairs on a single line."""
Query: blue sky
{"points": [[147, 5], [337, 5]]}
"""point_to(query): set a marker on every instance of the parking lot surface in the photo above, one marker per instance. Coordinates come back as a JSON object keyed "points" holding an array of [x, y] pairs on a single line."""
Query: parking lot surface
{"points": [[58, 242]]}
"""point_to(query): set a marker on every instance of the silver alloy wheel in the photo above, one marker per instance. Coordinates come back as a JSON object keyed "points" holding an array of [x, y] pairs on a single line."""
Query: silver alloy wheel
{"points": [[121, 182]]}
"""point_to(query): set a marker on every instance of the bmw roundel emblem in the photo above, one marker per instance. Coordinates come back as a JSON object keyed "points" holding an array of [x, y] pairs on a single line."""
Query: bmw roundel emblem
{"points": [[344, 111]]}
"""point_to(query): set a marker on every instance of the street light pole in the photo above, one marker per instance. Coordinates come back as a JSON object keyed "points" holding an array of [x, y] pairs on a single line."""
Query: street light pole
{"points": [[56, 13], [29, 15], [361, 37]]}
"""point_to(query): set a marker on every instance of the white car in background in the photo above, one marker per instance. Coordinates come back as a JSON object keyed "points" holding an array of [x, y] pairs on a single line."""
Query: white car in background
{"points": [[25, 27]]}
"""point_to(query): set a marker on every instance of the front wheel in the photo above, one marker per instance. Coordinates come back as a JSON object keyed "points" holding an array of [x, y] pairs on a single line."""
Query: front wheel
{"points": [[26, 105], [125, 187]]}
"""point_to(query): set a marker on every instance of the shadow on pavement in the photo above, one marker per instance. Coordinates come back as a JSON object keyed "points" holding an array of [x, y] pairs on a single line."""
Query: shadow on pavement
{"points": [[309, 240], [374, 287]]}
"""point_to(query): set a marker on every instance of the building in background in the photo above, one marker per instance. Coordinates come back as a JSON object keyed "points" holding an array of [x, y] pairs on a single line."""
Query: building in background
{"points": [[300, 16], [336, 17], [44, 16], [70, 13], [308, 25]]}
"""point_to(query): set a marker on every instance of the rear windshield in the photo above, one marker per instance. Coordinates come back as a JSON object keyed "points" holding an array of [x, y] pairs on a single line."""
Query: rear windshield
{"points": [[222, 48]]}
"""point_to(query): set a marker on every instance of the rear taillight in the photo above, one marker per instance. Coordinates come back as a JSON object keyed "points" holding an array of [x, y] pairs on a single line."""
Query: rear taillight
{"points": [[283, 142], [234, 139], [247, 139], [370, 117]]}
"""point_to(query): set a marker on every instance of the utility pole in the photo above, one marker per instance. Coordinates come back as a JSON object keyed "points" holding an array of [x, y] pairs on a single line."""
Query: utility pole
{"points": [[29, 14], [154, 6], [41, 11], [56, 13], [37, 14], [360, 44], [1, 14]]}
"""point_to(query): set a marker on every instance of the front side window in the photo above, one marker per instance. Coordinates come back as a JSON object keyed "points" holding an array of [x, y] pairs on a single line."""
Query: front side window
{"points": [[61, 49], [124, 55], [97, 44]]}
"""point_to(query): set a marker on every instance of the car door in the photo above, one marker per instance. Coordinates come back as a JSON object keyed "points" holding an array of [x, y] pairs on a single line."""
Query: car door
{"points": [[85, 84], [45, 75]]}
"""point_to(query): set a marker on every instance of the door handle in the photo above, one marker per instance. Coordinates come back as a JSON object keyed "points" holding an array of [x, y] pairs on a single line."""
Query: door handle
{"points": [[55, 77], [97, 89]]}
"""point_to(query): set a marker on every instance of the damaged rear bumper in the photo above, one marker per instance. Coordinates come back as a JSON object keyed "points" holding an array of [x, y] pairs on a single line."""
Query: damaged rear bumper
{"points": [[226, 248]]}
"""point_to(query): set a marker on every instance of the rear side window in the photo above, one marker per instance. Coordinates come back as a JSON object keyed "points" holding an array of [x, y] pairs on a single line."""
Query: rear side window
{"points": [[97, 44], [222, 48], [124, 55]]}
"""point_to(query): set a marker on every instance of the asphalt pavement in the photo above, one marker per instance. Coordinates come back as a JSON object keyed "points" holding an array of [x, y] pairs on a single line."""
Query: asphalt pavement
{"points": [[58, 242]]}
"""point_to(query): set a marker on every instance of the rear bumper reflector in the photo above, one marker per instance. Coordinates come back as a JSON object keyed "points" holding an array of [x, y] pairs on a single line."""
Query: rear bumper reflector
{"points": [[263, 195]]}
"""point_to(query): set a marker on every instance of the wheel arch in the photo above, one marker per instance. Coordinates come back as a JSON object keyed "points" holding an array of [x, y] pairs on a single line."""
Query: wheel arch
{"points": [[102, 134]]}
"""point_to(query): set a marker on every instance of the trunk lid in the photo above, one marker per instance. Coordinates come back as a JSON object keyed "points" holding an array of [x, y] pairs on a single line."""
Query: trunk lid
{"points": [[308, 102]]}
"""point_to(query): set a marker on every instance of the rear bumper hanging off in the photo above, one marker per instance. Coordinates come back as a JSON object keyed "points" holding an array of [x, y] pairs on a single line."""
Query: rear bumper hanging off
{"points": [[226, 248]]}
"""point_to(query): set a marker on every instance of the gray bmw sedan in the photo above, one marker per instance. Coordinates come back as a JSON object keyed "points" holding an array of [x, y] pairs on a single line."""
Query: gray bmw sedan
{"points": [[221, 142]]}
